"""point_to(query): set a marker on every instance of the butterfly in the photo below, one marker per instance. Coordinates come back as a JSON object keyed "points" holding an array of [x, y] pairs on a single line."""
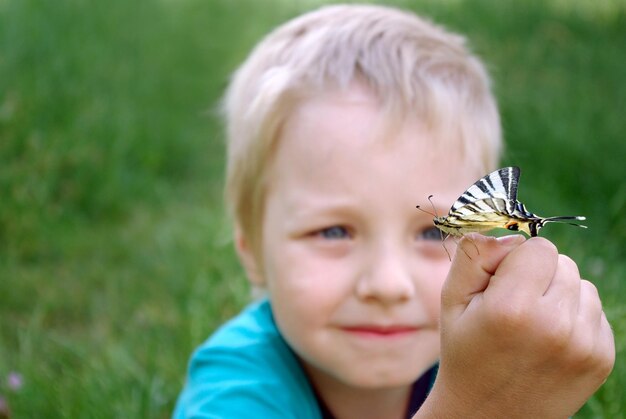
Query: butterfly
{"points": [[491, 202]]}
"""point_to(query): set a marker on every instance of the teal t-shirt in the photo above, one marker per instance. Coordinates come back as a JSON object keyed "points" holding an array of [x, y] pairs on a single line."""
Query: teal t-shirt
{"points": [[247, 370]]}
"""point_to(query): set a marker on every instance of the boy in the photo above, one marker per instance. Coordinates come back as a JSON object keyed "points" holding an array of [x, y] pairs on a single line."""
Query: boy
{"points": [[338, 123]]}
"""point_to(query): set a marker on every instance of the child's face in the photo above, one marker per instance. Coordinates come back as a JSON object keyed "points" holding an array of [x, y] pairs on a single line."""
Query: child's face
{"points": [[353, 269]]}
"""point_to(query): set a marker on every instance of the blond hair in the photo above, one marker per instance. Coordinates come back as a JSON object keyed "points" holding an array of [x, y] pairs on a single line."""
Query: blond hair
{"points": [[413, 66]]}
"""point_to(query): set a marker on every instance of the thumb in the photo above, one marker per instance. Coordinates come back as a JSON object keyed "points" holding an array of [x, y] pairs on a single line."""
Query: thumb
{"points": [[476, 260]]}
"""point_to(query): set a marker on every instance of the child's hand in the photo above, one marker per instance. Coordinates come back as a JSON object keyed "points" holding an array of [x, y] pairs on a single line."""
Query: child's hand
{"points": [[521, 334]]}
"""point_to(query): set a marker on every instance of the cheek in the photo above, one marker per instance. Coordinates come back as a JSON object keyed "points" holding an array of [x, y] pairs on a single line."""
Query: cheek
{"points": [[304, 303], [292, 274], [303, 289]]}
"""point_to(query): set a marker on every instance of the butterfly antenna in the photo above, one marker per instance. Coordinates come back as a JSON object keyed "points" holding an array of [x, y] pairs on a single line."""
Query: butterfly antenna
{"points": [[430, 199], [434, 213]]}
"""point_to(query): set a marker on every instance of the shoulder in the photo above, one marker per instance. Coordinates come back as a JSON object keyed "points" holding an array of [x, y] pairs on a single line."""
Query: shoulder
{"points": [[248, 346], [246, 369]]}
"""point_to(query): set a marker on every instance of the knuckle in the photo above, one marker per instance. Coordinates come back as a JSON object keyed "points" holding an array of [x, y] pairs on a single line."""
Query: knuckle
{"points": [[544, 246], [590, 289], [592, 359], [595, 364], [506, 316], [605, 355], [568, 265], [582, 356], [557, 335], [602, 369], [605, 365]]}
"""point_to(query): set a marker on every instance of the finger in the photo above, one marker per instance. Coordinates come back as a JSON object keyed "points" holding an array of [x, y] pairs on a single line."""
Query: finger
{"points": [[590, 307], [594, 332], [605, 347], [591, 310], [564, 291], [527, 272], [477, 258], [590, 316]]}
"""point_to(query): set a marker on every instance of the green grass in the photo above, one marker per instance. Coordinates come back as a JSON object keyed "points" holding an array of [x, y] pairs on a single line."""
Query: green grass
{"points": [[115, 253]]}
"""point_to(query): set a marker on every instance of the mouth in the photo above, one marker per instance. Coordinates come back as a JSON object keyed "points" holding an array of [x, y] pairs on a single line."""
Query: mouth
{"points": [[375, 331]]}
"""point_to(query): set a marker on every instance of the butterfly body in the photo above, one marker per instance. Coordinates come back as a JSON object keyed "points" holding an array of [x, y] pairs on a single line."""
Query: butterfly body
{"points": [[491, 202]]}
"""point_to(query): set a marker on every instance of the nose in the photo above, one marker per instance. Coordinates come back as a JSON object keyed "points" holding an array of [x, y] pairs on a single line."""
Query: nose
{"points": [[386, 277]]}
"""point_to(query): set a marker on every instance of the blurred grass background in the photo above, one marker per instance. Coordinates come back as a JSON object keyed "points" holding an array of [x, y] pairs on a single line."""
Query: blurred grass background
{"points": [[115, 253]]}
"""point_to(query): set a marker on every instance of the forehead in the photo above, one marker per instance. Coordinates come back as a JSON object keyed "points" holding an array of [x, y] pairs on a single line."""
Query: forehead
{"points": [[344, 141], [382, 122], [341, 121]]}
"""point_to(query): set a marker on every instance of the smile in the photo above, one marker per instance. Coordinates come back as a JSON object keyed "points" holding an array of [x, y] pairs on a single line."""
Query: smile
{"points": [[375, 331]]}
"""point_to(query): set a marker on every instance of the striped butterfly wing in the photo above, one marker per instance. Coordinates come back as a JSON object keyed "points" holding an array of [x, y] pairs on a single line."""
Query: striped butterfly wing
{"points": [[491, 202], [483, 206], [499, 185]]}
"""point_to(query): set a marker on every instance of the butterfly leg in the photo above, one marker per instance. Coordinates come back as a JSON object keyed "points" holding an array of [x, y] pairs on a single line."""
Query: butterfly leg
{"points": [[444, 236], [472, 241], [457, 239], [446, 249]]}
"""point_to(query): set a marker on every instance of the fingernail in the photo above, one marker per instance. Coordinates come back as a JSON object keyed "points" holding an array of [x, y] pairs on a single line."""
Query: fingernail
{"points": [[511, 240]]}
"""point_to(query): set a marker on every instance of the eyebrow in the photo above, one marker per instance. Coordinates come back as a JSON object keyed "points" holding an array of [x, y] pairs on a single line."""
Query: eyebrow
{"points": [[310, 210]]}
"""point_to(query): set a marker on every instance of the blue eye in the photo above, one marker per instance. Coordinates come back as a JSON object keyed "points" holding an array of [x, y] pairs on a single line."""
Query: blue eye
{"points": [[431, 233], [335, 232]]}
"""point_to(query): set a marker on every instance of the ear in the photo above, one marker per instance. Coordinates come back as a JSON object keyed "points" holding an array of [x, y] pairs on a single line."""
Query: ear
{"points": [[247, 258]]}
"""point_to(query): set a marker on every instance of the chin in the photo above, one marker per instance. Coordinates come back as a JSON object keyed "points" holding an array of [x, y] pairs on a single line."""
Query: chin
{"points": [[391, 372], [375, 377]]}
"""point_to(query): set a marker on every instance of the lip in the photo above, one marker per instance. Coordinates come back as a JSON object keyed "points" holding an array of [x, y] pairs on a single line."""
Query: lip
{"points": [[377, 331]]}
